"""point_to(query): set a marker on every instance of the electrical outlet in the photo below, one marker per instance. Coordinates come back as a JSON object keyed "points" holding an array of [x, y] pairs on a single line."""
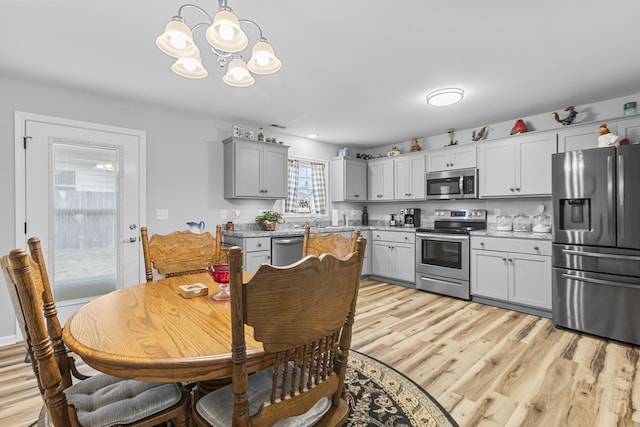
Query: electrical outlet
{"points": [[162, 213], [223, 214], [235, 213], [354, 213]]}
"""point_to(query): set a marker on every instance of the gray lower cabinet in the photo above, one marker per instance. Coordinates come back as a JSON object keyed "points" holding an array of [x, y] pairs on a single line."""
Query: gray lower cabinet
{"points": [[512, 273], [393, 256], [255, 250]]}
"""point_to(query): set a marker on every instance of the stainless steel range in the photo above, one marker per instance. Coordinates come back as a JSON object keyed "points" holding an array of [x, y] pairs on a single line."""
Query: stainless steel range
{"points": [[442, 253]]}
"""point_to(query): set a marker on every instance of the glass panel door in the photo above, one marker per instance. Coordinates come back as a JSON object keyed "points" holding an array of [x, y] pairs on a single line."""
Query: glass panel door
{"points": [[84, 220]]}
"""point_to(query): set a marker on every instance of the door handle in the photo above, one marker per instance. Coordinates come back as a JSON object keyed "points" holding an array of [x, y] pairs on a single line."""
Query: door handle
{"points": [[131, 239]]}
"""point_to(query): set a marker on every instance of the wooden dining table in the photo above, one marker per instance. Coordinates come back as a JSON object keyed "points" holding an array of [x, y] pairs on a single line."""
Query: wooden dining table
{"points": [[150, 332]]}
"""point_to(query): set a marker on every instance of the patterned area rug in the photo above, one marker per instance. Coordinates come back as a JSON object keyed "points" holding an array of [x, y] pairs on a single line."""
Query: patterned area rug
{"points": [[381, 396]]}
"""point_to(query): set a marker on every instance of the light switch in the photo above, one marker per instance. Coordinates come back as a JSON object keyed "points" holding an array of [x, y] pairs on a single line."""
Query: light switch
{"points": [[162, 213]]}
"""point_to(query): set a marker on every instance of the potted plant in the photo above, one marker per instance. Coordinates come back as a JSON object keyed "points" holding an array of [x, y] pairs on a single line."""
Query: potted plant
{"points": [[269, 219]]}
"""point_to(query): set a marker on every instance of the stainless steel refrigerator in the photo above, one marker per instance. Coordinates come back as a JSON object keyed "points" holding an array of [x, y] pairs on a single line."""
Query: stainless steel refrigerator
{"points": [[596, 241]]}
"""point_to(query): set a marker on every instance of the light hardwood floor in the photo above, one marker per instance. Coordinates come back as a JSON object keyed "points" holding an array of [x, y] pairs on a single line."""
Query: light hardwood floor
{"points": [[487, 366]]}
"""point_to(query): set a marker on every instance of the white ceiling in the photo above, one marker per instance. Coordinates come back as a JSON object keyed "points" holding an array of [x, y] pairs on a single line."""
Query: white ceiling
{"points": [[355, 72]]}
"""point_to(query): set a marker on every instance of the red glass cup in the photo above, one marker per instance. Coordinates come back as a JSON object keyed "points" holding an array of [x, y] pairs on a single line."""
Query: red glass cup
{"points": [[220, 274]]}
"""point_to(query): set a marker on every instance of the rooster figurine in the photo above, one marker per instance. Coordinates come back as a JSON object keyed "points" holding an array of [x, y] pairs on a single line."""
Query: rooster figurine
{"points": [[608, 139], [567, 120]]}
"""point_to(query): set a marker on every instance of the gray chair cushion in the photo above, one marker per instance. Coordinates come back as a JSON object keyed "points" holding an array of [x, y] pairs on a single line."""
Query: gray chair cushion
{"points": [[217, 407], [103, 400]]}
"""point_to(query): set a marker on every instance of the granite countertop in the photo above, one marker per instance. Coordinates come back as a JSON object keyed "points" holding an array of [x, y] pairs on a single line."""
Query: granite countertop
{"points": [[492, 232], [292, 231]]}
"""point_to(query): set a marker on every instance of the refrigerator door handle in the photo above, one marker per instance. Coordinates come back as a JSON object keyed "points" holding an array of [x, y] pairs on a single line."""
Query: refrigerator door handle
{"points": [[600, 255], [620, 196], [595, 281], [610, 200]]}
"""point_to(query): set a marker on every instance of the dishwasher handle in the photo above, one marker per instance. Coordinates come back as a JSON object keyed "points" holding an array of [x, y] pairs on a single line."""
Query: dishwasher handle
{"points": [[285, 241]]}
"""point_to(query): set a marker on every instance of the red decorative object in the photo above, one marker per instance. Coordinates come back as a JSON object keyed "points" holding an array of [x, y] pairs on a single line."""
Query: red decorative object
{"points": [[519, 127], [219, 272]]}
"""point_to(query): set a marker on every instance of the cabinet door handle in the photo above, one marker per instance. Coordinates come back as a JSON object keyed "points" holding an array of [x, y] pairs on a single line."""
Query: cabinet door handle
{"points": [[259, 245], [517, 188], [512, 189], [504, 259], [535, 248]]}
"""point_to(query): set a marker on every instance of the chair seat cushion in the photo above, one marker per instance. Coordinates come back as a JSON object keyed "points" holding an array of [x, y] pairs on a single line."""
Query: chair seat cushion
{"points": [[217, 407], [104, 400]]}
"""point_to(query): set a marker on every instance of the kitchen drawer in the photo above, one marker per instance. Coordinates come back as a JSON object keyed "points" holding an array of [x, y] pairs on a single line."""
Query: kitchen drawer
{"points": [[257, 244], [523, 246], [393, 236]]}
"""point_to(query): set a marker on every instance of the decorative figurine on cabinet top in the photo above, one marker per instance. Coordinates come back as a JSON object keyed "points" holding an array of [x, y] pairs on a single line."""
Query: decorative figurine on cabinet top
{"points": [[519, 127], [451, 133], [415, 146], [567, 120], [481, 134], [608, 139], [393, 152]]}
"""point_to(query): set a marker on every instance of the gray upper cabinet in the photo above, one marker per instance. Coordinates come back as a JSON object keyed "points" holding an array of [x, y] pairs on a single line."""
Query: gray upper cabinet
{"points": [[348, 179], [629, 128], [254, 170], [455, 157], [581, 137], [516, 166], [585, 136], [380, 179], [409, 178]]}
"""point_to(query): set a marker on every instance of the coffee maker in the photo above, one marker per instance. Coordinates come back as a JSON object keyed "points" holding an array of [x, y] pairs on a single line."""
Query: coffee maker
{"points": [[411, 217]]}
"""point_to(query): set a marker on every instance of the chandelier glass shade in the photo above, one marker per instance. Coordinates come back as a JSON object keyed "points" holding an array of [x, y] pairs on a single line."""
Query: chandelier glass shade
{"points": [[227, 40]]}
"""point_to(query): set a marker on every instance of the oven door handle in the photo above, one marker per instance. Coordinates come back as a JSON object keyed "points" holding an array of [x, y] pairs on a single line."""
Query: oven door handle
{"points": [[443, 237]]}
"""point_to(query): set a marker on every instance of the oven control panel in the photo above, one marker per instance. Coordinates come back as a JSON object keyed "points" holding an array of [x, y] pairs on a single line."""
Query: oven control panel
{"points": [[460, 214]]}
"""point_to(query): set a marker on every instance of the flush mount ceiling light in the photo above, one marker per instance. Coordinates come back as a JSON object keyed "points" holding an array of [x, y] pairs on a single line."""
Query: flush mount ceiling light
{"points": [[444, 97], [227, 39]]}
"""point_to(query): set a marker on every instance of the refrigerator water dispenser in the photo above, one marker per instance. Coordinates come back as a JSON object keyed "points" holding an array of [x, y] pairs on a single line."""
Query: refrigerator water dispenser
{"points": [[575, 214]]}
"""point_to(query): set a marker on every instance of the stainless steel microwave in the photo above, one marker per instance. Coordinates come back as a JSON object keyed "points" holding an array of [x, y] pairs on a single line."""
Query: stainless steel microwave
{"points": [[453, 184]]}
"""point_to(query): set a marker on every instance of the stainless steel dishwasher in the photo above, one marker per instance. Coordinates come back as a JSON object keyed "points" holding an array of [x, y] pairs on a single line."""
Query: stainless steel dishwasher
{"points": [[286, 250]]}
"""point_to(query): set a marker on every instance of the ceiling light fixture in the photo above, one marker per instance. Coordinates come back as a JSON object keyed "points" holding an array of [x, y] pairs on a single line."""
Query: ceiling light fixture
{"points": [[227, 40], [444, 97]]}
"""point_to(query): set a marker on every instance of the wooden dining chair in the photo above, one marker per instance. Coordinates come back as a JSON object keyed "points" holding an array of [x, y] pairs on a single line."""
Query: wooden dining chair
{"points": [[99, 400], [303, 315], [181, 252], [334, 243], [65, 360]]}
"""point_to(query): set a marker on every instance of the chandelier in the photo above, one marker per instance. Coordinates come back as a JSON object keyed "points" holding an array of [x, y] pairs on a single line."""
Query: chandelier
{"points": [[227, 41]]}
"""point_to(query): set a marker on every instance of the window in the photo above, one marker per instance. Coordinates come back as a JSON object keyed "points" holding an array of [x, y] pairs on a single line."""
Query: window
{"points": [[307, 181]]}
